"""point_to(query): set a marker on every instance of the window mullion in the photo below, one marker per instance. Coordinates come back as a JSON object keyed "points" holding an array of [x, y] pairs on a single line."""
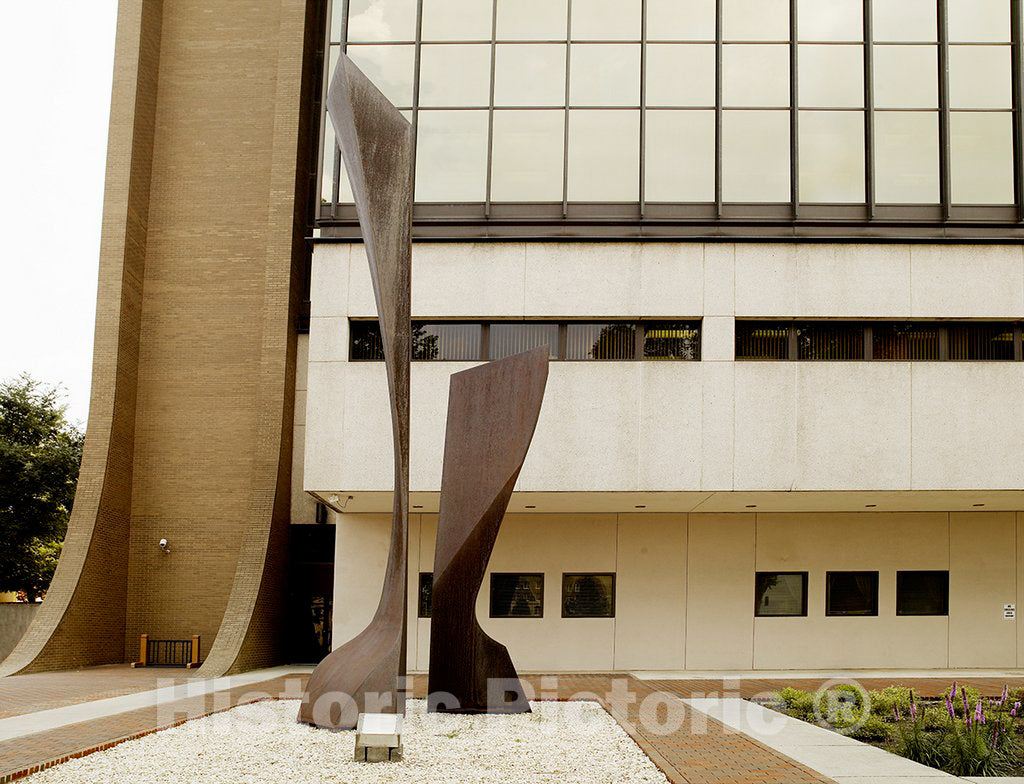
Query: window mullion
{"points": [[944, 141]]}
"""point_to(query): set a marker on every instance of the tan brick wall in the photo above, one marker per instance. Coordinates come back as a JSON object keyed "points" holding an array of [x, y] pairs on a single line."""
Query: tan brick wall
{"points": [[203, 352]]}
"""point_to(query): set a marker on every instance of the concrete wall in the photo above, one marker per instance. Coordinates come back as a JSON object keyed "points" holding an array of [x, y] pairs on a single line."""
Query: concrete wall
{"points": [[685, 589], [714, 425], [15, 618]]}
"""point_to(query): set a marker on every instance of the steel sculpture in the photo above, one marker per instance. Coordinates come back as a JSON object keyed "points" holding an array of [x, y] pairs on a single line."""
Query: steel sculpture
{"points": [[362, 676], [492, 414]]}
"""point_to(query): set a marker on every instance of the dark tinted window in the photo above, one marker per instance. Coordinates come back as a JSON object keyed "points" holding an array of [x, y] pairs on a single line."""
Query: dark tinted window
{"points": [[780, 593], [452, 342], [517, 595], [426, 594], [671, 340], [616, 340], [762, 340], [365, 340], [588, 595], [830, 340], [922, 593], [906, 341], [506, 339], [980, 341], [851, 593]]}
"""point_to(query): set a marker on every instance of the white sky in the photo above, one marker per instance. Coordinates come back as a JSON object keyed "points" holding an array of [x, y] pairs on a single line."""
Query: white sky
{"points": [[56, 61]]}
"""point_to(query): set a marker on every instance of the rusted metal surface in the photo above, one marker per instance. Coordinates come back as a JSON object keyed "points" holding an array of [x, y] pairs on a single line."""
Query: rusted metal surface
{"points": [[376, 143], [492, 414]]}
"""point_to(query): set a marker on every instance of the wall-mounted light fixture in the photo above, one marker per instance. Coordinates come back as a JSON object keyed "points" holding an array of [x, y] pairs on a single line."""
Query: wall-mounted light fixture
{"points": [[164, 547]]}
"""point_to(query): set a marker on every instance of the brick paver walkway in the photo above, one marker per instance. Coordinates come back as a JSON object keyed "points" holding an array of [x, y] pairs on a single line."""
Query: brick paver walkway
{"points": [[700, 751]]}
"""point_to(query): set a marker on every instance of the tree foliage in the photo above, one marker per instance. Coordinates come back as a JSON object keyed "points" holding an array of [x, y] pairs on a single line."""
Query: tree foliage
{"points": [[40, 453]]}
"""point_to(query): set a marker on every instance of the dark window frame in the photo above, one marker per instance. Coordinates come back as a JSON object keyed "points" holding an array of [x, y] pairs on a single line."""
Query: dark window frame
{"points": [[901, 576], [641, 328], [869, 326], [803, 607], [614, 607], [490, 597], [829, 613]]}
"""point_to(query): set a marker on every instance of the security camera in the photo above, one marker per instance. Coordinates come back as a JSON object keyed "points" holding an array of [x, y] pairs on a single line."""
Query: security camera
{"points": [[164, 547]]}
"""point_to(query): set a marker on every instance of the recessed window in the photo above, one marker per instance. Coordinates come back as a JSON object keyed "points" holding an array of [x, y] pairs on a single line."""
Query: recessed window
{"points": [[906, 341], [365, 341], [509, 339], [922, 593], [671, 340], [517, 595], [426, 594], [452, 342], [601, 341], [588, 595], [830, 340], [762, 340], [780, 594], [981, 341], [851, 593]]}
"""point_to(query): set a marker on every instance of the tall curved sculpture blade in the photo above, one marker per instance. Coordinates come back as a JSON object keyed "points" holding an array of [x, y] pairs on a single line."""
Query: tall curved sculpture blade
{"points": [[492, 414], [376, 142]]}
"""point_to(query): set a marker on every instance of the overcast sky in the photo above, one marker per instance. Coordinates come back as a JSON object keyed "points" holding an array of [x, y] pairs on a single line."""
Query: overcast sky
{"points": [[56, 60]]}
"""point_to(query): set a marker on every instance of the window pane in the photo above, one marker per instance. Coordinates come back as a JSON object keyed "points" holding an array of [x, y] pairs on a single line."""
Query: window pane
{"points": [[671, 340], [327, 167], [517, 595], [906, 341], [456, 20], [980, 341], [451, 159], [922, 593], [755, 156], [832, 157], [526, 160], [376, 20], [831, 76], [588, 595], [681, 20], [532, 19], [455, 75], [903, 20], [830, 20], [666, 65], [979, 77], [508, 339], [979, 20], [755, 20], [446, 342], [680, 153], [604, 155], [388, 67], [907, 157], [608, 20], [426, 594], [981, 158], [754, 75], [780, 593], [762, 340], [906, 77], [364, 341], [600, 341], [604, 75], [851, 593], [529, 75], [830, 340]]}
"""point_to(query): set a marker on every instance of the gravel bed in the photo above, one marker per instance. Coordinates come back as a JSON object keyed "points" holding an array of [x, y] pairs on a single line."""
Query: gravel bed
{"points": [[262, 742]]}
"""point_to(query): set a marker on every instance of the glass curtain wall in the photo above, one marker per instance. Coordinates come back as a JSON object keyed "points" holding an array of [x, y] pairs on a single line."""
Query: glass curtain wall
{"points": [[687, 102]]}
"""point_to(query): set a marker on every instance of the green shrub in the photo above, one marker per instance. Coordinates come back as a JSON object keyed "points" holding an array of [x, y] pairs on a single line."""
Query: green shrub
{"points": [[968, 752], [884, 702], [841, 706], [799, 704], [873, 729]]}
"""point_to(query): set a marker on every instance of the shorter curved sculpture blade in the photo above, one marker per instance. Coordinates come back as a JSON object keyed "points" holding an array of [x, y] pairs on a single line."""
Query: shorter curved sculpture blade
{"points": [[362, 676], [492, 414]]}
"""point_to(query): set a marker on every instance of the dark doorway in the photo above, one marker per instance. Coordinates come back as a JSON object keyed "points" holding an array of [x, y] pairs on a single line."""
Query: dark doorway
{"points": [[310, 592]]}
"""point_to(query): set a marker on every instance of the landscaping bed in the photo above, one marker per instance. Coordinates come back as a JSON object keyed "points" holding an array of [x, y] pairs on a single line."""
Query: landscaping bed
{"points": [[262, 742], [960, 732]]}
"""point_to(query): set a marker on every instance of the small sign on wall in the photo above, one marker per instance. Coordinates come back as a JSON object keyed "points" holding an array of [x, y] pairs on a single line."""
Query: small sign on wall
{"points": [[1009, 612]]}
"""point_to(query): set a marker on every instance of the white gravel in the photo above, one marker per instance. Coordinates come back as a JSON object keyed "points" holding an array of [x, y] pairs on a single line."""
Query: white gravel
{"points": [[262, 742]]}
